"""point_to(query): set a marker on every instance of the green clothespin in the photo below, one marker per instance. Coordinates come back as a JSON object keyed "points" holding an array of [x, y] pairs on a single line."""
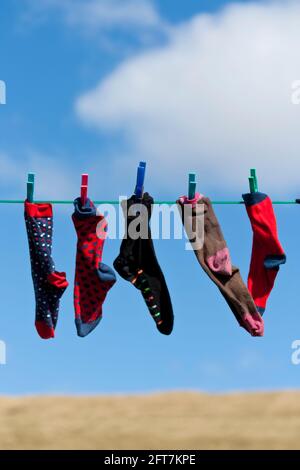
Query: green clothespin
{"points": [[192, 185], [30, 187], [253, 184]]}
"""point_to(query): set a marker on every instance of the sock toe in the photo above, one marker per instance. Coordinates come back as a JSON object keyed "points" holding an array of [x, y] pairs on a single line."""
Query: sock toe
{"points": [[254, 324], [83, 329], [165, 328], [45, 331]]}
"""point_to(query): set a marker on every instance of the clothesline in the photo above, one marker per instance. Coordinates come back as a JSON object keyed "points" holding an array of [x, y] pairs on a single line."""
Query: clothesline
{"points": [[138, 263], [139, 191], [20, 201]]}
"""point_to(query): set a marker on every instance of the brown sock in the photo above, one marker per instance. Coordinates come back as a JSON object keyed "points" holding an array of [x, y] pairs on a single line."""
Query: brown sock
{"points": [[213, 255]]}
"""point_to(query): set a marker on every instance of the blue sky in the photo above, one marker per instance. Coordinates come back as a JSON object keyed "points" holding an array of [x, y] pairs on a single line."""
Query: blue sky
{"points": [[190, 85]]}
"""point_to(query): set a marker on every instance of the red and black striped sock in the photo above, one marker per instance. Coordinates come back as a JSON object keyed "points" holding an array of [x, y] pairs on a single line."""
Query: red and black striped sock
{"points": [[267, 252], [93, 279]]}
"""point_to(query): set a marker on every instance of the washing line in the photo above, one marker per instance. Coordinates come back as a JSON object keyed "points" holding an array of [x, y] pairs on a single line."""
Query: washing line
{"points": [[21, 201]]}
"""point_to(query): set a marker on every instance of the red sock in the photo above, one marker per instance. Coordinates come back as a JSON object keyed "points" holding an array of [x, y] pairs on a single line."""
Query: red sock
{"points": [[93, 279], [267, 252]]}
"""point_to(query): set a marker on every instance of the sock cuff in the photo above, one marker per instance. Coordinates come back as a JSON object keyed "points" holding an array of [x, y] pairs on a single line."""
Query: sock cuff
{"points": [[147, 201], [263, 221], [38, 210], [186, 200], [251, 199], [84, 211]]}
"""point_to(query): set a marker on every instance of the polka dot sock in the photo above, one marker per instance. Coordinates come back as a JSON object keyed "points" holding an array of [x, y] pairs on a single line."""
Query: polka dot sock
{"points": [[49, 285], [137, 263], [93, 279]]}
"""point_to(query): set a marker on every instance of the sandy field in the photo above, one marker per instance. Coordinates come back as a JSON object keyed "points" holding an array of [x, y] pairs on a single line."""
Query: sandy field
{"points": [[177, 420]]}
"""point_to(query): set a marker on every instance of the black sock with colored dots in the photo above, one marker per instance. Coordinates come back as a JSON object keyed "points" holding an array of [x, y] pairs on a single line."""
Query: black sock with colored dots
{"points": [[137, 263]]}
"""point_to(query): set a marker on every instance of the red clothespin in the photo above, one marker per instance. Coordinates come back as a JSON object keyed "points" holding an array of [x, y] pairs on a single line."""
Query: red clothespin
{"points": [[84, 188]]}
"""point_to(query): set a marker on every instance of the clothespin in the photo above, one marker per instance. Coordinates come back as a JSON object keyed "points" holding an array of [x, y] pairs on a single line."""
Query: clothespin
{"points": [[253, 184], [139, 188], [84, 188], [30, 187], [192, 185]]}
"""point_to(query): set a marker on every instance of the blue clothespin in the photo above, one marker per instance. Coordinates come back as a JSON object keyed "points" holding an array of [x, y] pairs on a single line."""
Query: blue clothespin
{"points": [[30, 187], [192, 185], [139, 189]]}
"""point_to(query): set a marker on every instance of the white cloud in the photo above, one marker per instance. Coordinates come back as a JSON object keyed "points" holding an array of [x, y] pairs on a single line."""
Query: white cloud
{"points": [[100, 14], [216, 98]]}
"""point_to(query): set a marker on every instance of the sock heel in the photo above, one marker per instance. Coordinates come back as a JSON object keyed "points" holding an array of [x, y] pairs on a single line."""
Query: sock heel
{"points": [[106, 273], [274, 261], [58, 280], [220, 262]]}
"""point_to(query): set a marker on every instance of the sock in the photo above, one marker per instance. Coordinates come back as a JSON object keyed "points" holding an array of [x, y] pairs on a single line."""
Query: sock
{"points": [[49, 285], [214, 257], [267, 252], [137, 263], [93, 279]]}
